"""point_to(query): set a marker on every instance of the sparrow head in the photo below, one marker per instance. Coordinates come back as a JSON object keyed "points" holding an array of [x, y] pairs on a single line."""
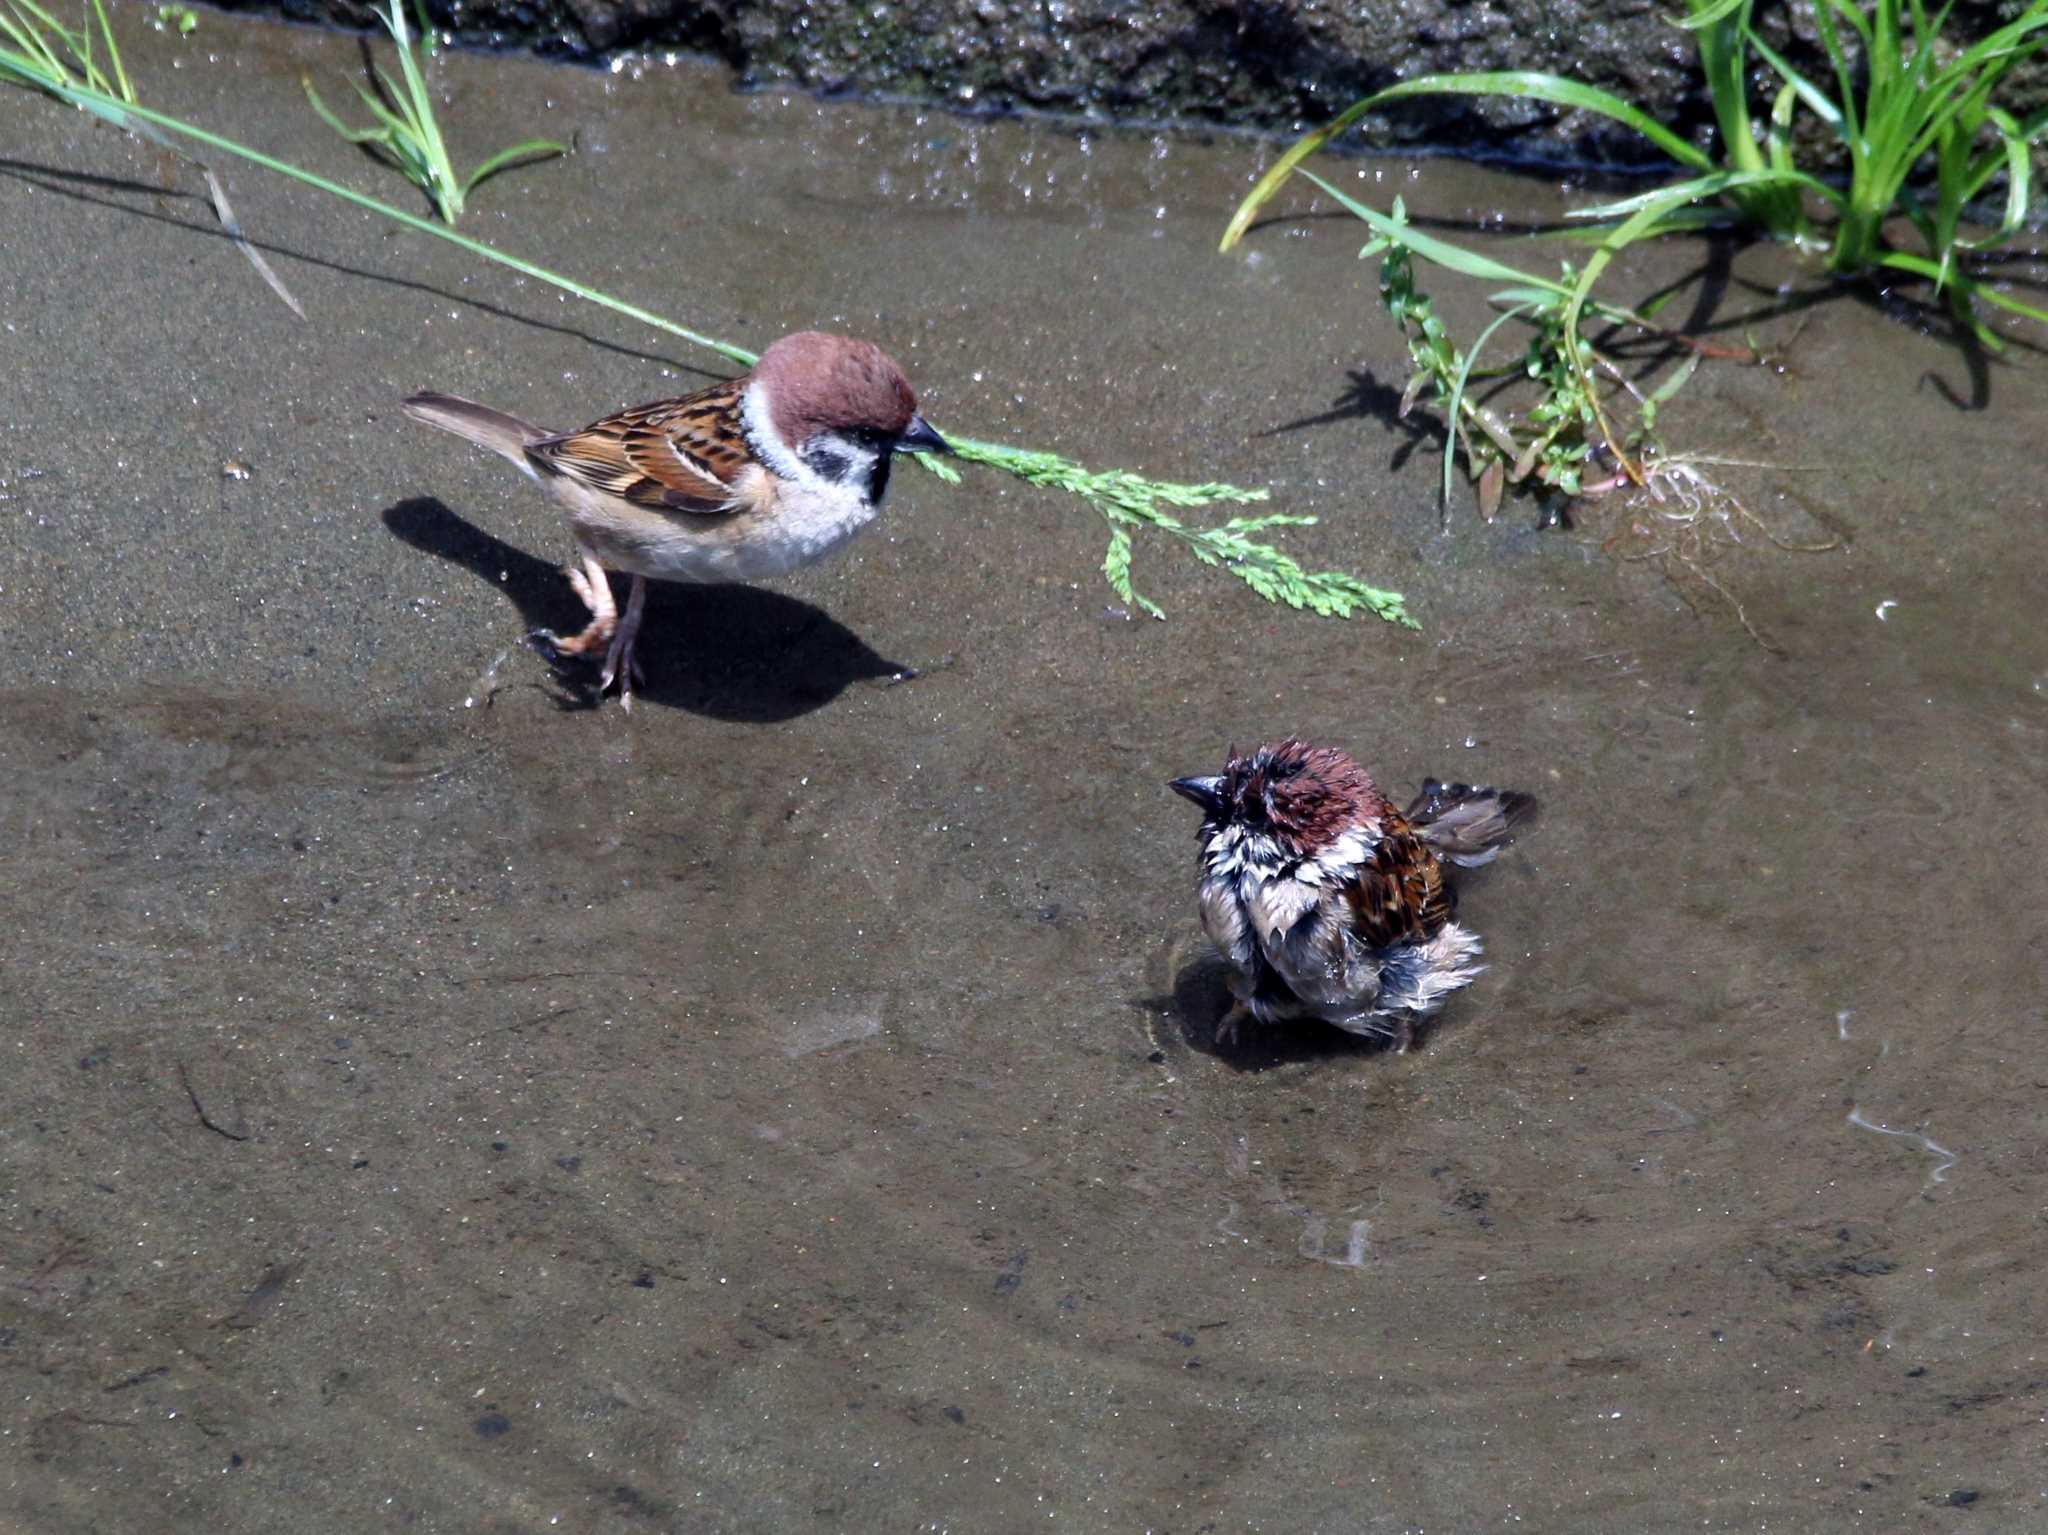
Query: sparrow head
{"points": [[842, 407], [1299, 797]]}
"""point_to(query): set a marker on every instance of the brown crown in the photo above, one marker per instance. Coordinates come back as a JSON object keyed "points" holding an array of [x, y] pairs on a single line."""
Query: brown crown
{"points": [[819, 382], [1304, 795]]}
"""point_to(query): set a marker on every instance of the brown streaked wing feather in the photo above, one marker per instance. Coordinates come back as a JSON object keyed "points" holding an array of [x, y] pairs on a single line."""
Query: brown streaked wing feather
{"points": [[1400, 895], [681, 455]]}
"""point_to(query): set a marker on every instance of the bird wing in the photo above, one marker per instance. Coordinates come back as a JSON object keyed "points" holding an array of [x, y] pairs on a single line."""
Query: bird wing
{"points": [[1399, 894], [682, 455]]}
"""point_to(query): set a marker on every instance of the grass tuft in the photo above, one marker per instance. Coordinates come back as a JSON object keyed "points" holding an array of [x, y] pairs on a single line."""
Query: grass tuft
{"points": [[407, 134], [1904, 98]]}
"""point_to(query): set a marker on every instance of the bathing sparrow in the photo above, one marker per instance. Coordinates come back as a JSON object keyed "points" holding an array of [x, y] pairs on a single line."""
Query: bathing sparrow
{"points": [[1329, 903], [748, 478]]}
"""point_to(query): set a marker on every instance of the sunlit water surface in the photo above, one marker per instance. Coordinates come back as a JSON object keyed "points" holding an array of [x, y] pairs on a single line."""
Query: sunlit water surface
{"points": [[793, 1105]]}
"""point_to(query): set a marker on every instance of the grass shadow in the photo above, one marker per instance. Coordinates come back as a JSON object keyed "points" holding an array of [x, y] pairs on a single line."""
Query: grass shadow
{"points": [[80, 185]]}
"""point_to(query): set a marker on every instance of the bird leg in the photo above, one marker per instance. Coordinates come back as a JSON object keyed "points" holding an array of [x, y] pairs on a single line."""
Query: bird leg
{"points": [[1239, 1012], [1229, 1027], [620, 665], [590, 583]]}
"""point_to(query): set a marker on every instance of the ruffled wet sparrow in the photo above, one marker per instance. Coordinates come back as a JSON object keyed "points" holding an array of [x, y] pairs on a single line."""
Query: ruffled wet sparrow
{"points": [[1328, 902]]}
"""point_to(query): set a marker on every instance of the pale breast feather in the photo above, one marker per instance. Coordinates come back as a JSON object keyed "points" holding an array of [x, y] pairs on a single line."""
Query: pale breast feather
{"points": [[1223, 919]]}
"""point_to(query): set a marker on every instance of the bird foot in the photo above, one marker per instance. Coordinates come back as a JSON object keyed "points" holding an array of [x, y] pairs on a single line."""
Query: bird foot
{"points": [[1230, 1026], [622, 666], [573, 654], [556, 650]]}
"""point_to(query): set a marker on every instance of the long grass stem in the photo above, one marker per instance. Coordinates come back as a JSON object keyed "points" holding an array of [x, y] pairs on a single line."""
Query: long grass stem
{"points": [[1125, 501]]}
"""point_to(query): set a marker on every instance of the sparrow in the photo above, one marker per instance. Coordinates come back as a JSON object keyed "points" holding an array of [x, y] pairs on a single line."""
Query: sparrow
{"points": [[750, 477], [1328, 902]]}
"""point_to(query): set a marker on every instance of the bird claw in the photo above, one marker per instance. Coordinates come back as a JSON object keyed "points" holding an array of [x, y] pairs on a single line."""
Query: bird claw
{"points": [[631, 677], [565, 659], [547, 645], [1229, 1026]]}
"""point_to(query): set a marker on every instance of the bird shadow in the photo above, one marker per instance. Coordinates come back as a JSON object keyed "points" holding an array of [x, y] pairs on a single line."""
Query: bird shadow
{"points": [[1200, 1000], [726, 651]]}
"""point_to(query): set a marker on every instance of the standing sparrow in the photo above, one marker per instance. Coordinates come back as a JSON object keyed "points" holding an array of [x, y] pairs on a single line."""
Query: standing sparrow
{"points": [[1327, 901], [748, 478]]}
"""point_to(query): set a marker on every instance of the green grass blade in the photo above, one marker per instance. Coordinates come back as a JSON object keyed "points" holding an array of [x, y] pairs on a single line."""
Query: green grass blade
{"points": [[41, 21], [388, 104], [2019, 169], [2001, 47], [1706, 15], [1430, 248], [1779, 143], [1649, 210], [416, 132], [353, 135], [126, 88], [1452, 426], [504, 159], [121, 113], [1540, 87], [1677, 381], [1920, 266], [1700, 189], [38, 61], [1843, 111], [1818, 102]]}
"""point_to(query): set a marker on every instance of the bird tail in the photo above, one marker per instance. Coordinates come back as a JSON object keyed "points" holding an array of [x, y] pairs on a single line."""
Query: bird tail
{"points": [[507, 436], [1466, 823]]}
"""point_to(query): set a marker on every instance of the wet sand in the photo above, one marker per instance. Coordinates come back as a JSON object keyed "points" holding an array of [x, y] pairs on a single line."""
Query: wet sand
{"points": [[792, 1105]]}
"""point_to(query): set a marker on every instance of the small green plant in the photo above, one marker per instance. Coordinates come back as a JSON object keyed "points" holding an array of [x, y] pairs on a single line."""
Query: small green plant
{"points": [[1574, 414], [1921, 100], [408, 134], [1589, 429], [1125, 501], [1919, 96], [181, 19]]}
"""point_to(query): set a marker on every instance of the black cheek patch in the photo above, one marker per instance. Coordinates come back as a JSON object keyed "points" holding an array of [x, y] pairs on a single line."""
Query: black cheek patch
{"points": [[827, 462]]}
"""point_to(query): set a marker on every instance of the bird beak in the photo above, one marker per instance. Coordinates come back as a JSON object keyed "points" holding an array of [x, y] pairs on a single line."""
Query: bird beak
{"points": [[918, 437], [1206, 792]]}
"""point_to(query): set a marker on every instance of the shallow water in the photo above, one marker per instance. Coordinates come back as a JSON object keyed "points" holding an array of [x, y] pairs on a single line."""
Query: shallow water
{"points": [[792, 1105]]}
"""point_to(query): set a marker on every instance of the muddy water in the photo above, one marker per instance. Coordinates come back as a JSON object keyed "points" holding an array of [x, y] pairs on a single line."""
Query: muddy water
{"points": [[430, 1104]]}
